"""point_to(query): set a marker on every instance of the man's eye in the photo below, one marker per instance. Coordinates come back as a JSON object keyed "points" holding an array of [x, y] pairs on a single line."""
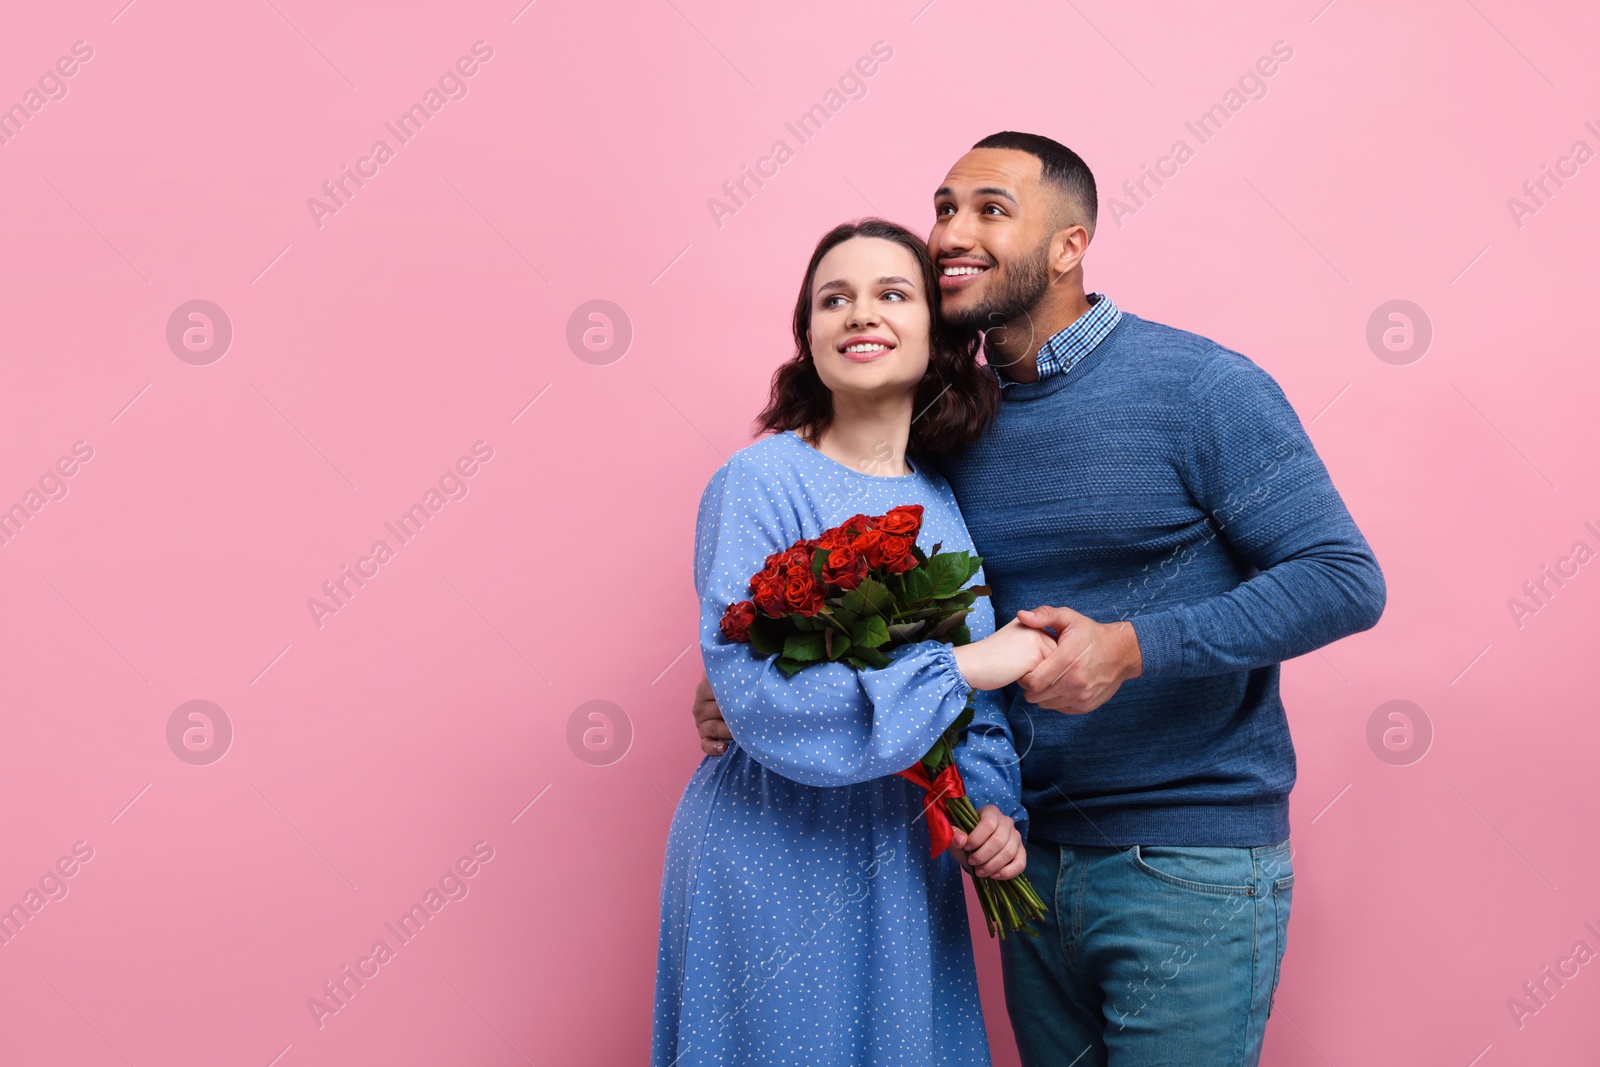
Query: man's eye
{"points": [[994, 208]]}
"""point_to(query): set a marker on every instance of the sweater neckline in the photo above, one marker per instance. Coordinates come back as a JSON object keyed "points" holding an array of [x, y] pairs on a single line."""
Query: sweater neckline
{"points": [[1056, 382]]}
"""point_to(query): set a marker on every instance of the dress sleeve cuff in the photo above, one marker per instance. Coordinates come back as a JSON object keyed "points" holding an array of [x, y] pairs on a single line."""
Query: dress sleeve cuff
{"points": [[945, 656], [938, 658]]}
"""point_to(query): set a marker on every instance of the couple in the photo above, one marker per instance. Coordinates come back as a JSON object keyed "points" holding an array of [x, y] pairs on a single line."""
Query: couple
{"points": [[1158, 534]]}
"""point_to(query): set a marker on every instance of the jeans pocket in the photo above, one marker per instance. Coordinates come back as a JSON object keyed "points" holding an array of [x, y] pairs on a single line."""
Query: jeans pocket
{"points": [[1219, 870], [1277, 865]]}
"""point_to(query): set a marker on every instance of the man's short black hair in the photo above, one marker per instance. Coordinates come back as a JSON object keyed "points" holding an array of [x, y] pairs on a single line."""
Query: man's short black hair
{"points": [[1059, 165]]}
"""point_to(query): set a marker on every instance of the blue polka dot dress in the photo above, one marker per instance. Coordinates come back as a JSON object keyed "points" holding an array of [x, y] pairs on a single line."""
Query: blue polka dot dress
{"points": [[802, 921]]}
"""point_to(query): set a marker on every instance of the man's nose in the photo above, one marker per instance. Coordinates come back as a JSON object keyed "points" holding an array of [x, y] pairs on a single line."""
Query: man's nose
{"points": [[957, 236]]}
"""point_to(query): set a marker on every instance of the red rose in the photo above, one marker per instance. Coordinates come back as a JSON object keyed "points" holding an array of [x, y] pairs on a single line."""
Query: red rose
{"points": [[796, 563], [768, 595], [859, 523], [838, 537], [870, 545], [803, 595], [737, 619], [896, 553], [846, 568], [903, 521], [771, 575]]}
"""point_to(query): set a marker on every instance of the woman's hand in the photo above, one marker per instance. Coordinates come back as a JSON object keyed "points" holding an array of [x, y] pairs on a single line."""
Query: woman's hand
{"points": [[1004, 656], [994, 849]]}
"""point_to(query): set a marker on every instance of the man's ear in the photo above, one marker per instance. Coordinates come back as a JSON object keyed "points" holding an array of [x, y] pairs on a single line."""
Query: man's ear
{"points": [[1067, 248]]}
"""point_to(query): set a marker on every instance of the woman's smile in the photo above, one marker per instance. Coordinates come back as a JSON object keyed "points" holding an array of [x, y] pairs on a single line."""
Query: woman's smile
{"points": [[865, 348]]}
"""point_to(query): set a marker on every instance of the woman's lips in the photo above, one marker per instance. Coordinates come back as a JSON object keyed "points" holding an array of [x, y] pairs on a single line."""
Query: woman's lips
{"points": [[868, 356]]}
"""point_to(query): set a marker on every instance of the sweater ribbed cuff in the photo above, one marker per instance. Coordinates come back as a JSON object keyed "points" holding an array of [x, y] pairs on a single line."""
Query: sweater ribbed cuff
{"points": [[1160, 638]]}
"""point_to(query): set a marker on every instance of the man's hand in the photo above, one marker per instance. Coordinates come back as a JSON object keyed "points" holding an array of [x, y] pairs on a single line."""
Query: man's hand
{"points": [[994, 849], [714, 733], [1089, 665]]}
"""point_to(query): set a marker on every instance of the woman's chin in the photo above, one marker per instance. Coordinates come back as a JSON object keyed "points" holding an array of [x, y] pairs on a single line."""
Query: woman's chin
{"points": [[867, 385]]}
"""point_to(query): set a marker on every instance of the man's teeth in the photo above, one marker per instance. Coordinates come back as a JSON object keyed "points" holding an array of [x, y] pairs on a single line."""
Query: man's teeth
{"points": [[870, 347], [951, 272]]}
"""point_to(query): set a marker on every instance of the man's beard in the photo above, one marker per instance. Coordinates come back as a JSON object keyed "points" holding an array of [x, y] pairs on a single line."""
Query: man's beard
{"points": [[1015, 291]]}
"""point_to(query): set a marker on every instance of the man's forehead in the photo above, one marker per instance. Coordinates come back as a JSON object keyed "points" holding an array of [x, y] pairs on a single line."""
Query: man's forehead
{"points": [[1006, 168]]}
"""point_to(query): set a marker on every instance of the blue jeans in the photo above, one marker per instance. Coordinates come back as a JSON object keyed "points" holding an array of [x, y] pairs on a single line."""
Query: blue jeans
{"points": [[1150, 955]]}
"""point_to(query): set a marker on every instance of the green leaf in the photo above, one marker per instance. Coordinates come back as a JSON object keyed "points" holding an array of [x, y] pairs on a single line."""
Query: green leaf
{"points": [[875, 595], [870, 632], [963, 636], [803, 646], [949, 625], [918, 584], [948, 572], [869, 657], [938, 609], [973, 563], [767, 635], [819, 560], [839, 644], [903, 632], [790, 667]]}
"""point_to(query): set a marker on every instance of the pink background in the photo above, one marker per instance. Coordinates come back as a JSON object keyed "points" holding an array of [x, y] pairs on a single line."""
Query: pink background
{"points": [[432, 308]]}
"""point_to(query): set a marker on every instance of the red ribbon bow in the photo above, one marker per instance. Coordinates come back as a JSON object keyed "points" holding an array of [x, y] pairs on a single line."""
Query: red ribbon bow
{"points": [[947, 784]]}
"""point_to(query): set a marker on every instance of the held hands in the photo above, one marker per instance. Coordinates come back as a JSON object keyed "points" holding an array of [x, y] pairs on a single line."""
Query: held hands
{"points": [[994, 849], [997, 660], [1004, 656], [1074, 672], [1090, 662]]}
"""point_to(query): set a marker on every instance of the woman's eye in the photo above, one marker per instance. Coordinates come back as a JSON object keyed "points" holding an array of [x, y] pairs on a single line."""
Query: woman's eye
{"points": [[829, 302], [895, 294]]}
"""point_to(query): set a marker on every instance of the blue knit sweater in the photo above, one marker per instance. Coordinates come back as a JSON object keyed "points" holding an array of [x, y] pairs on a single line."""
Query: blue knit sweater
{"points": [[1165, 480]]}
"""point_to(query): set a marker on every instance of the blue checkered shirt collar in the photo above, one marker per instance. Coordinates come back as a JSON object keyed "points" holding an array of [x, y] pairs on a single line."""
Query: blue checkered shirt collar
{"points": [[1062, 352]]}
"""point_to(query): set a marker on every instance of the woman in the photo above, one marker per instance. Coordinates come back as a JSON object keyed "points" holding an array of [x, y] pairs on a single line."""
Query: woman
{"points": [[802, 920]]}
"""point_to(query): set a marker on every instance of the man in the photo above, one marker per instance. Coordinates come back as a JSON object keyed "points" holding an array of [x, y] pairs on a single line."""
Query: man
{"points": [[1163, 489]]}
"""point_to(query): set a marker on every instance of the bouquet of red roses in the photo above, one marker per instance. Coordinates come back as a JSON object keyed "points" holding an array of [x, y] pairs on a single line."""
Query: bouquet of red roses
{"points": [[855, 594]]}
